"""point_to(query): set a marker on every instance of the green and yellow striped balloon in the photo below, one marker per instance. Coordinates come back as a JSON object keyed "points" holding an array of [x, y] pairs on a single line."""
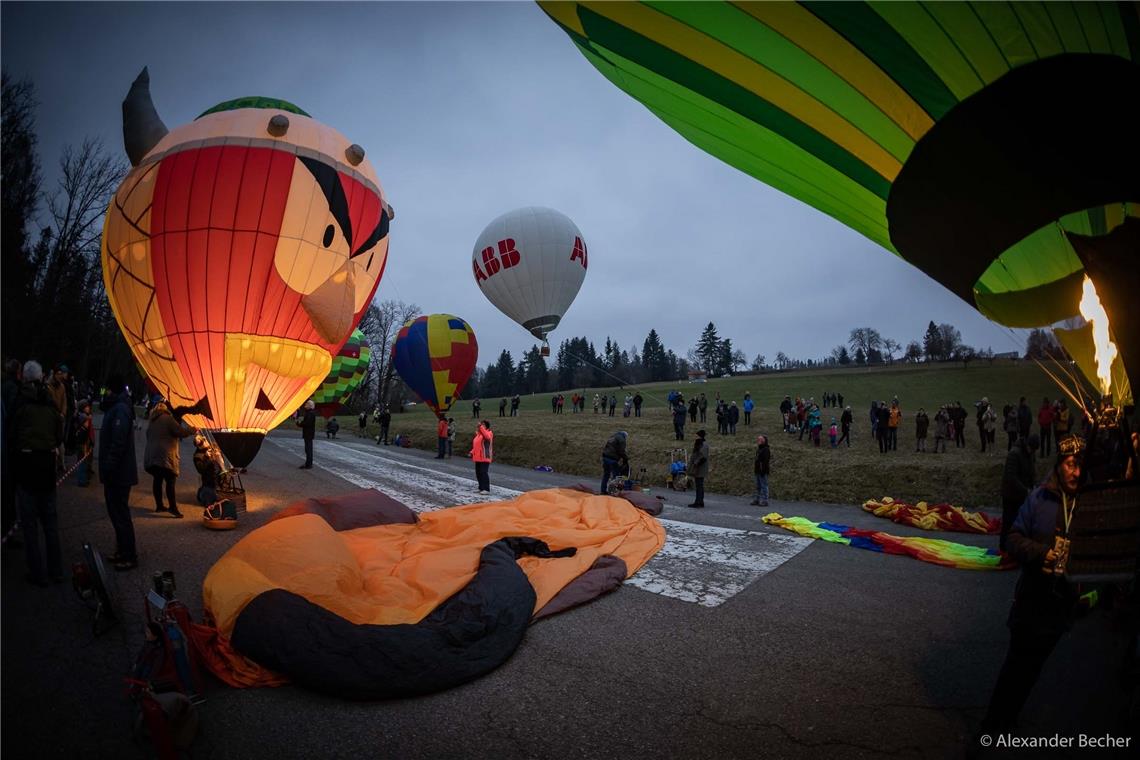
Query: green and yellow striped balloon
{"points": [[348, 369]]}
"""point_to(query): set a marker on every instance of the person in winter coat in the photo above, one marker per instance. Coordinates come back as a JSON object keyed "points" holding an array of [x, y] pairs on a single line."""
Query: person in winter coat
{"points": [[119, 469], [693, 409], [385, 421], [84, 441], [613, 404], [1024, 418], [733, 412], [703, 407], [893, 421], [35, 431], [1017, 480], [921, 426], [760, 468], [450, 436], [699, 468], [815, 425], [161, 458], [749, 405], [502, 407], [363, 421], [845, 420], [1010, 426], [615, 458], [627, 405], [833, 433], [482, 453], [941, 429], [989, 425], [1045, 423], [332, 427], [441, 438], [679, 420], [307, 421], [638, 400], [884, 427], [1044, 603], [875, 421]]}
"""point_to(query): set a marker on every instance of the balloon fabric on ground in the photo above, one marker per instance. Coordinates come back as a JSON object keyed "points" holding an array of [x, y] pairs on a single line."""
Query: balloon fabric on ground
{"points": [[238, 255], [934, 550], [530, 263], [312, 595], [942, 131], [435, 355], [933, 516], [348, 369]]}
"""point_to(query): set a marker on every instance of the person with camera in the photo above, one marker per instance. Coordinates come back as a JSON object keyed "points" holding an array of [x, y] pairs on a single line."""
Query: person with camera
{"points": [[1043, 601]]}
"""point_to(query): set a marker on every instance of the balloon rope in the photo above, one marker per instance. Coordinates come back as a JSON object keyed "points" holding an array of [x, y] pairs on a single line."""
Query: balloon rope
{"points": [[621, 382]]}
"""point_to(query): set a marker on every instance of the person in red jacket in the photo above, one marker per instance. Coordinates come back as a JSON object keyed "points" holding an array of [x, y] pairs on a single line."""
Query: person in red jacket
{"points": [[482, 453], [1045, 420], [441, 438]]}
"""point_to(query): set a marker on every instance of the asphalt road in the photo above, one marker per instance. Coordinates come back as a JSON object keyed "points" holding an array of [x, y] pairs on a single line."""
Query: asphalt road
{"points": [[746, 644]]}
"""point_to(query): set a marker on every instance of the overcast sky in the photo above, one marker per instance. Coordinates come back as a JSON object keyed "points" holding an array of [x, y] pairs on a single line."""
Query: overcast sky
{"points": [[469, 110]]}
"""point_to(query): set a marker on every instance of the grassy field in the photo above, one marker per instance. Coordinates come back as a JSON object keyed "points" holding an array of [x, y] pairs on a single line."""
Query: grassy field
{"points": [[572, 443]]}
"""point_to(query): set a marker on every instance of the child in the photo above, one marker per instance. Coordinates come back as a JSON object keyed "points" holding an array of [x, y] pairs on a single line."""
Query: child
{"points": [[833, 432]]}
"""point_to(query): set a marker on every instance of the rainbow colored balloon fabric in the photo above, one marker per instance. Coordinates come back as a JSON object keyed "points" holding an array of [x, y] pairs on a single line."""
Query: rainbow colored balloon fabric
{"points": [[934, 550], [435, 355], [348, 369]]}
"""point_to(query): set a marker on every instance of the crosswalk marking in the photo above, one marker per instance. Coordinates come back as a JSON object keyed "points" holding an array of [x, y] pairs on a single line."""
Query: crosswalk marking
{"points": [[701, 564]]}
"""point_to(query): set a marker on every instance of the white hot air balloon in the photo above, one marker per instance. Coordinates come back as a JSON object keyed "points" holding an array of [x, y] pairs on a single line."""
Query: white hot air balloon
{"points": [[530, 263]]}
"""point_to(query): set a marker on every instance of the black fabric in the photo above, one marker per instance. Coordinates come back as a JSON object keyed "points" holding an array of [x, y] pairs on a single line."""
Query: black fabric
{"points": [[1014, 157], [469, 635]]}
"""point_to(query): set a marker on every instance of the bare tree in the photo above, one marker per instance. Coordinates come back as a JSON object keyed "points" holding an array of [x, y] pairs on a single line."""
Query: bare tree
{"points": [[381, 324], [890, 348], [866, 338]]}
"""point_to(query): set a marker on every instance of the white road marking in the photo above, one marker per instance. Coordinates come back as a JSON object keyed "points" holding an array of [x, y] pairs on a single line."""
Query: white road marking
{"points": [[702, 564]]}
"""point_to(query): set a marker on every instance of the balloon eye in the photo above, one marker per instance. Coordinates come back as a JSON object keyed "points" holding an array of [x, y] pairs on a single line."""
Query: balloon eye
{"points": [[328, 236]]}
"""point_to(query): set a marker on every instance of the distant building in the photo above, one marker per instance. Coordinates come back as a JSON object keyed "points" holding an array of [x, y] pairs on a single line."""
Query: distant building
{"points": [[698, 376], [1008, 355]]}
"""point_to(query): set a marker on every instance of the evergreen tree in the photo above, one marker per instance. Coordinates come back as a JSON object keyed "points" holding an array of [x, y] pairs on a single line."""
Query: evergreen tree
{"points": [[709, 350], [932, 343], [533, 367], [506, 374]]}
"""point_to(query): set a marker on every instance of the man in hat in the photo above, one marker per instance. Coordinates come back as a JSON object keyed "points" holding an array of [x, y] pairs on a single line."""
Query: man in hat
{"points": [[1043, 601], [699, 468]]}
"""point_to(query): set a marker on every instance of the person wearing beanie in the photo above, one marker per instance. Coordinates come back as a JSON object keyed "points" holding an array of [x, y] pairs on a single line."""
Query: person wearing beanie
{"points": [[1044, 602], [699, 468]]}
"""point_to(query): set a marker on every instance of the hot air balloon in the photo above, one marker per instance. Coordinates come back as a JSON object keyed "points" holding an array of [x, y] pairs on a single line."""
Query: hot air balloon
{"points": [[348, 370], [435, 355], [985, 143], [530, 263], [238, 255]]}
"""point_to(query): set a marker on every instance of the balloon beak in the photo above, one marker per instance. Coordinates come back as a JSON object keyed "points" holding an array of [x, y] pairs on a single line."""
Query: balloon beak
{"points": [[331, 306]]}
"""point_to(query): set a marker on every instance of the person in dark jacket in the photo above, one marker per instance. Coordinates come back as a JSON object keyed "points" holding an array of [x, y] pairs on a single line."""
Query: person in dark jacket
{"points": [[637, 402], [13, 376], [614, 458], [760, 468], [1017, 480], [733, 417], [703, 407], [883, 428], [693, 409], [385, 421], [1043, 601], [679, 419], [307, 421], [921, 426], [35, 429], [1024, 418], [119, 469], [845, 427], [161, 459], [699, 468]]}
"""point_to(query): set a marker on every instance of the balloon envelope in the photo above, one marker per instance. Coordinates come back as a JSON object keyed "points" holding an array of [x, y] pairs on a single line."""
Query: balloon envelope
{"points": [[348, 369], [435, 355], [969, 138], [530, 263], [238, 257]]}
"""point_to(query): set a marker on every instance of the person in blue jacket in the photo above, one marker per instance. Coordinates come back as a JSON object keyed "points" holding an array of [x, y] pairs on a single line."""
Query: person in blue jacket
{"points": [[1043, 601], [749, 405], [119, 469]]}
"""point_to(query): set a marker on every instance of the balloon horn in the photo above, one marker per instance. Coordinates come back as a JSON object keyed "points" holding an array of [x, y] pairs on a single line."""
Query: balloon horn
{"points": [[142, 127]]}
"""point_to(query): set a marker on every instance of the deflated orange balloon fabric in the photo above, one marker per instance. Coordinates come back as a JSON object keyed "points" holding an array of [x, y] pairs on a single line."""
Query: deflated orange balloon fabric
{"points": [[399, 573]]}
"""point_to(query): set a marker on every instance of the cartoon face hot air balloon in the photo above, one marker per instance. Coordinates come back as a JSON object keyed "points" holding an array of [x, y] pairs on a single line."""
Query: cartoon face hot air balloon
{"points": [[348, 370], [975, 140], [435, 355], [238, 255], [530, 263]]}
